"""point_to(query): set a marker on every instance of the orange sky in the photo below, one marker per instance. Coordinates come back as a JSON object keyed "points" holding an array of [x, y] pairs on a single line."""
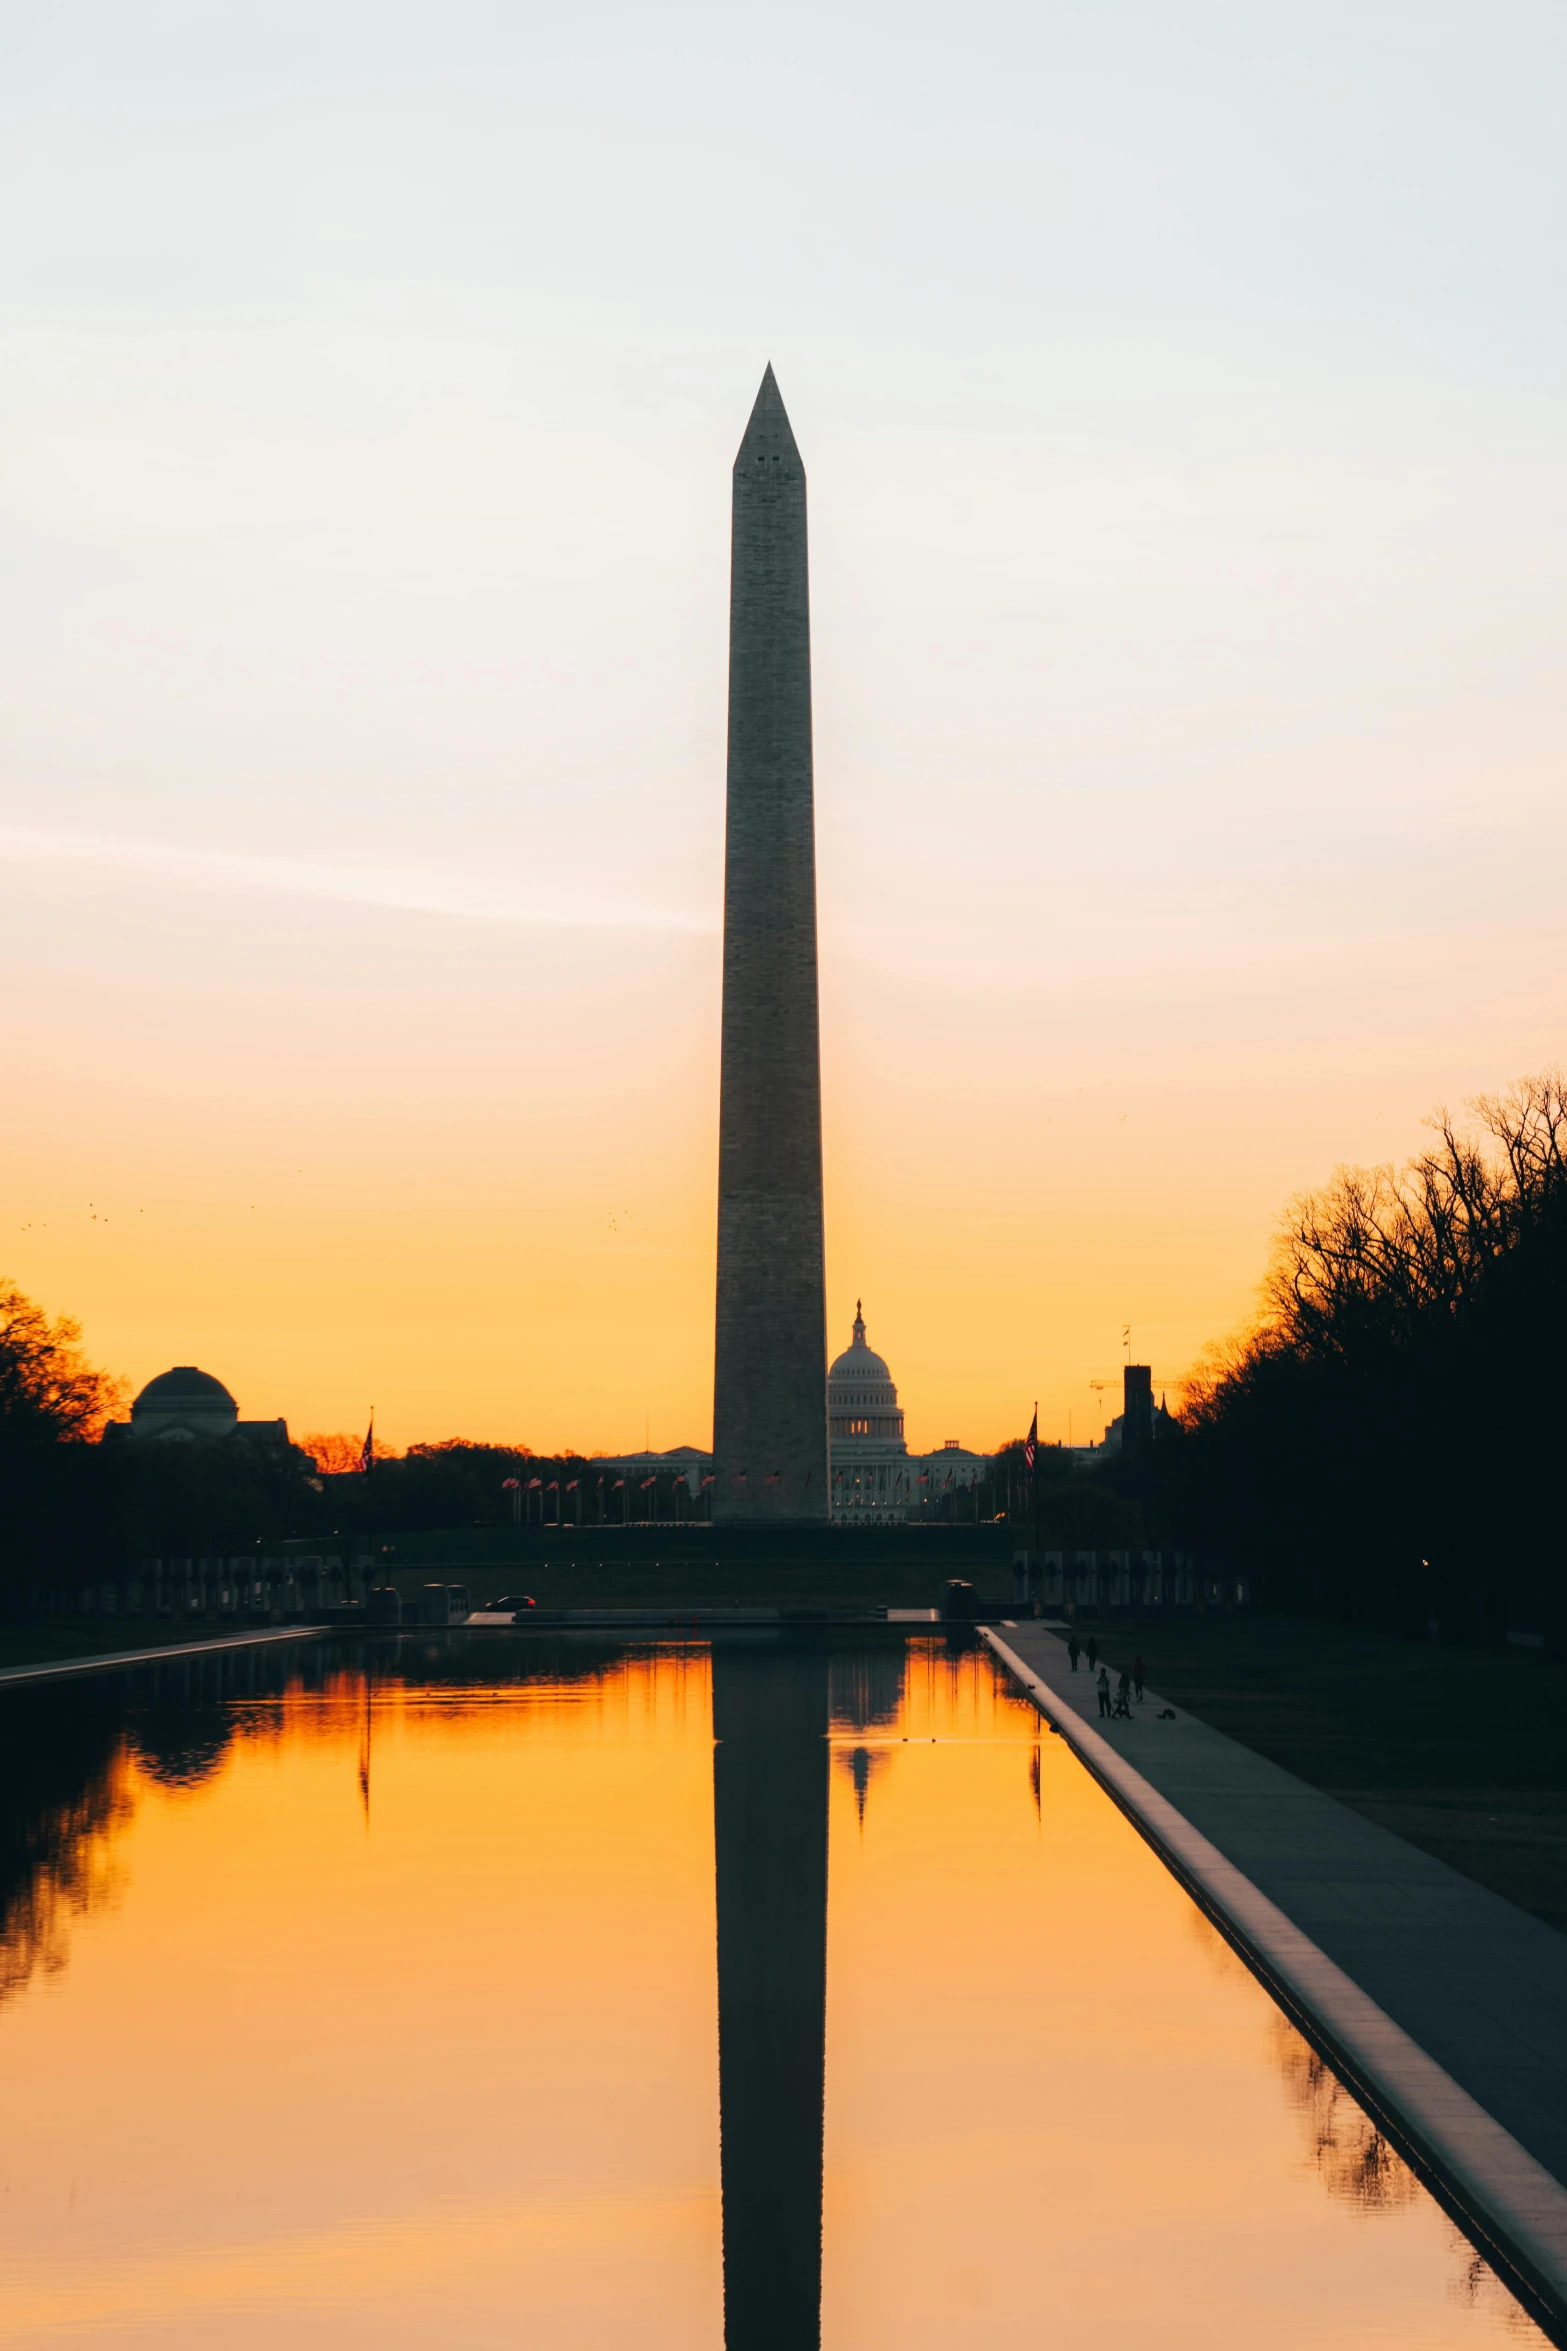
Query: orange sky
{"points": [[478, 1192]]}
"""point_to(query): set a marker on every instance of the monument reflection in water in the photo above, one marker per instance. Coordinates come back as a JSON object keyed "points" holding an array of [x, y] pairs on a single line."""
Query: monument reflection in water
{"points": [[231, 2113], [770, 1788]]}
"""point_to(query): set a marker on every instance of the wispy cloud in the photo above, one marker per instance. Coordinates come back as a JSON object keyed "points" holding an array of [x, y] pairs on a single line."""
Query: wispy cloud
{"points": [[401, 889]]}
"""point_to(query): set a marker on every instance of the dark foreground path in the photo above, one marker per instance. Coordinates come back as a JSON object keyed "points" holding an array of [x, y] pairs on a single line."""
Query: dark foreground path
{"points": [[1461, 1751]]}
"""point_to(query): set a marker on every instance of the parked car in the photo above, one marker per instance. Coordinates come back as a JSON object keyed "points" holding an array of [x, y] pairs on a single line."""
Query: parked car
{"points": [[513, 1604]]}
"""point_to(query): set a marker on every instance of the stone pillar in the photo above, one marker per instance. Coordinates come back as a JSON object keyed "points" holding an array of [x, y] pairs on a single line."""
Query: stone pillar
{"points": [[770, 1361]]}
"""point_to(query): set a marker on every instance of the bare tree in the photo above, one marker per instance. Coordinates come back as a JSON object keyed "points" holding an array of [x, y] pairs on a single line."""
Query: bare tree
{"points": [[48, 1389], [1342, 1433]]}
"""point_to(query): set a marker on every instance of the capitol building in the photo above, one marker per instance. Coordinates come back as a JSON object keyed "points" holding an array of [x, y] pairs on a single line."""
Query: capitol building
{"points": [[875, 1478]]}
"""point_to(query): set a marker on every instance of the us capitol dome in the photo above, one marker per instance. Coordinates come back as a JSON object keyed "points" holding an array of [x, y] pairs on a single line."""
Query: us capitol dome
{"points": [[874, 1475]]}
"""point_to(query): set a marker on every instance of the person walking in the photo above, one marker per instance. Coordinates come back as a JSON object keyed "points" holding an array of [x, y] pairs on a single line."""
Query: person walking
{"points": [[1123, 1695], [1137, 1678], [1074, 1650], [1093, 1651], [1103, 1687]]}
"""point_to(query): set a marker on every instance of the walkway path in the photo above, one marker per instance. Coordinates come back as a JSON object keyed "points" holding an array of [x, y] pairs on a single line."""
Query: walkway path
{"points": [[1458, 1975], [60, 1665]]}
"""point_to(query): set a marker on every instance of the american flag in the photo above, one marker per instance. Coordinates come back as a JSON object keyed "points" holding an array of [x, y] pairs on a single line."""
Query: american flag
{"points": [[367, 1449], [1031, 1441]]}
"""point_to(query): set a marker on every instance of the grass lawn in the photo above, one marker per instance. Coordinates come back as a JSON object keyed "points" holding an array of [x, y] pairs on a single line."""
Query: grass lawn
{"points": [[1462, 1751]]}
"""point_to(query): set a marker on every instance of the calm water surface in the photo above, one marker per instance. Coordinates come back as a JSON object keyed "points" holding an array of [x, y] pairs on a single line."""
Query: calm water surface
{"points": [[466, 1993]]}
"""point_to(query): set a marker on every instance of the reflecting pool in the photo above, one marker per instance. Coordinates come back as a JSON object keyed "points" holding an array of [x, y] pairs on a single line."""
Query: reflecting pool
{"points": [[462, 1991]]}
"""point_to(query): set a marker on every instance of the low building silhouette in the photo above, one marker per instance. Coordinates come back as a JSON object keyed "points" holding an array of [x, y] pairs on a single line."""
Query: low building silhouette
{"points": [[187, 1406]]}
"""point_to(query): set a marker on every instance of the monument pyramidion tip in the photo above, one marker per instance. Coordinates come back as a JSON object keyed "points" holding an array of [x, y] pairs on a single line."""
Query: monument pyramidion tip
{"points": [[768, 435]]}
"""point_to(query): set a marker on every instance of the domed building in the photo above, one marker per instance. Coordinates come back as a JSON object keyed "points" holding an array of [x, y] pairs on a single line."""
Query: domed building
{"points": [[867, 1456], [186, 1406], [861, 1398], [184, 1403], [874, 1476]]}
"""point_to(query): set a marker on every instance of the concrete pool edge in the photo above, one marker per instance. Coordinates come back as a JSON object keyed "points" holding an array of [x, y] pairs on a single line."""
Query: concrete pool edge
{"points": [[106, 1661], [1513, 2207]]}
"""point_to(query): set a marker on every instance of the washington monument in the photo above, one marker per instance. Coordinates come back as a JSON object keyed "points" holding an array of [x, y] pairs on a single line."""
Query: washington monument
{"points": [[770, 1361]]}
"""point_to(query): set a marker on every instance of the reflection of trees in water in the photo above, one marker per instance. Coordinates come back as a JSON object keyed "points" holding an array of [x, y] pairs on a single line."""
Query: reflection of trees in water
{"points": [[1346, 2150], [1357, 2167], [180, 1749], [1352, 2159], [183, 1715], [65, 1797], [951, 1679], [1344, 2147], [72, 1870], [459, 1661], [866, 1688], [71, 1754], [621, 1687], [1474, 2284]]}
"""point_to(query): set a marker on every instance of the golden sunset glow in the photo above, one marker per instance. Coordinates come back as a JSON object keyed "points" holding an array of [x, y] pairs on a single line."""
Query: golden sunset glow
{"points": [[528, 1256]]}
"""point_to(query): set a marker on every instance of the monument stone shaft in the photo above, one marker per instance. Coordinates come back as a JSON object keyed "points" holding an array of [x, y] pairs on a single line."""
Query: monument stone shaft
{"points": [[770, 1361]]}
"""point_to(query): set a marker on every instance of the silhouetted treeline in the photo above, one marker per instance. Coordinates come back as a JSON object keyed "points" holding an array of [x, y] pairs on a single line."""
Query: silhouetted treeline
{"points": [[1384, 1447], [58, 1495], [75, 1513], [1080, 1509], [458, 1484]]}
